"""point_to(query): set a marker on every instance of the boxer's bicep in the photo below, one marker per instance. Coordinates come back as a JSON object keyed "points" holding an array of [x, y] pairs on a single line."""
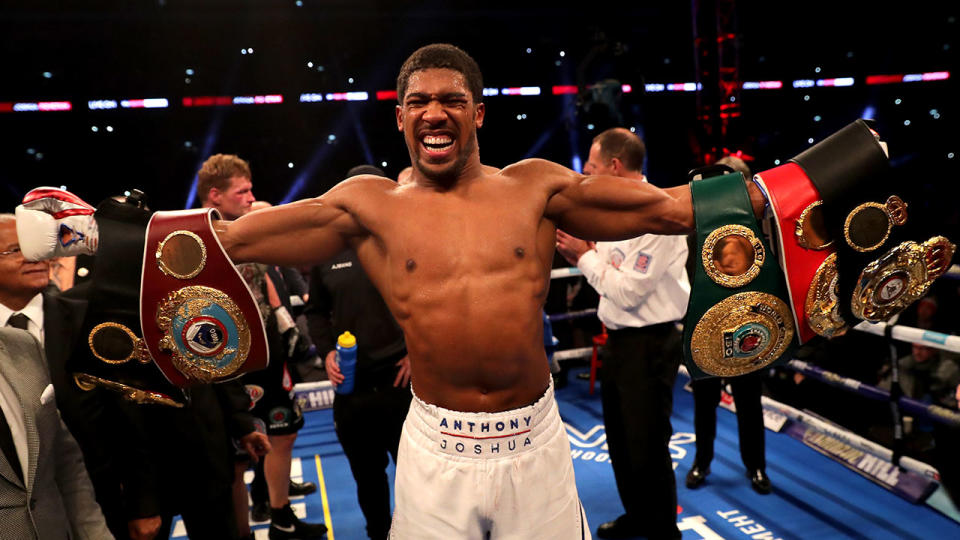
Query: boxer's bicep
{"points": [[615, 208], [301, 233]]}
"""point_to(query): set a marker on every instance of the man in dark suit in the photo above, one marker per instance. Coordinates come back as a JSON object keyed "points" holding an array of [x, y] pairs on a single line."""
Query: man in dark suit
{"points": [[44, 488], [55, 322]]}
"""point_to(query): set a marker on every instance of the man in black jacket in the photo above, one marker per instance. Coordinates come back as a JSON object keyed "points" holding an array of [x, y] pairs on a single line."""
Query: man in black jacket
{"points": [[369, 419]]}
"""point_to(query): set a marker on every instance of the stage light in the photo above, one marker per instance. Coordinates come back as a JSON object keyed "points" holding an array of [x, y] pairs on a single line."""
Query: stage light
{"points": [[309, 64], [47, 75], [562, 54], [99, 104], [94, 129], [654, 87], [290, 165], [299, 3], [331, 137], [816, 118], [529, 50], [31, 151], [869, 112], [633, 130], [310, 98], [590, 127], [187, 144], [126, 193], [40, 156], [383, 163], [816, 69], [250, 50], [347, 96], [521, 91], [810, 140], [776, 162], [243, 51], [906, 122], [110, 129], [950, 155], [897, 101], [576, 164], [189, 71], [491, 92], [804, 83], [186, 80], [806, 97], [350, 80]]}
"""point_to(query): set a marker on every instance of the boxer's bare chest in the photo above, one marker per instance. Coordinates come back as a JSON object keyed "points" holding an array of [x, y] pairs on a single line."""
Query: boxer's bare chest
{"points": [[444, 243]]}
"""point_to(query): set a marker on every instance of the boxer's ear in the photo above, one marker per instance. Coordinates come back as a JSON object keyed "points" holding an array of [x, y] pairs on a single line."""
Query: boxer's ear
{"points": [[481, 109], [399, 118]]}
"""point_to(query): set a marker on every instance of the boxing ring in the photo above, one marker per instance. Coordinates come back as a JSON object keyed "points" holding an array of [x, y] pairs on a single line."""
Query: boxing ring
{"points": [[827, 481]]}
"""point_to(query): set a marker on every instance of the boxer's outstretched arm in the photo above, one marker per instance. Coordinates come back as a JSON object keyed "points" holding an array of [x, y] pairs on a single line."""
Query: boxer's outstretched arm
{"points": [[610, 207], [296, 234]]}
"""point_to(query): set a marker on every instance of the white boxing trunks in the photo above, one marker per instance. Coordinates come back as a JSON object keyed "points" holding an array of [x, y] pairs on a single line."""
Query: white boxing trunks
{"points": [[505, 475]]}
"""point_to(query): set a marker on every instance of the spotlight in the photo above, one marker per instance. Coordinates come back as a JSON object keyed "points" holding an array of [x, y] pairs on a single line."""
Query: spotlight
{"points": [[906, 122], [243, 51], [816, 118], [816, 69], [94, 129], [810, 140], [40, 156], [950, 155], [806, 97], [249, 50], [776, 162], [289, 164], [529, 50], [590, 127], [562, 54], [31, 151], [350, 80], [47, 75], [299, 3], [897, 101], [110, 129], [309, 64], [189, 71]]}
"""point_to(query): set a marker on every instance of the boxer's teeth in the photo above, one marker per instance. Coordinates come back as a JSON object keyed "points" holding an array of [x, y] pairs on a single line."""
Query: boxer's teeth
{"points": [[437, 142]]}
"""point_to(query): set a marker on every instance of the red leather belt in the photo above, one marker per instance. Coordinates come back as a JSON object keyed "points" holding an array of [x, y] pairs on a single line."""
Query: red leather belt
{"points": [[805, 249], [198, 318]]}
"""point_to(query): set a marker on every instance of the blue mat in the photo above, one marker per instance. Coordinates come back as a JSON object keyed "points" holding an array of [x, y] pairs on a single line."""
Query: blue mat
{"points": [[813, 496]]}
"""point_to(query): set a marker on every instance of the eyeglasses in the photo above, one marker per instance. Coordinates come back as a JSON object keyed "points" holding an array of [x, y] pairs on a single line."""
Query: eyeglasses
{"points": [[13, 251]]}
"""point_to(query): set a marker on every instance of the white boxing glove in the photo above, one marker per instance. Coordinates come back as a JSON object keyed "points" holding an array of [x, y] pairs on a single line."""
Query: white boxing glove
{"points": [[53, 222]]}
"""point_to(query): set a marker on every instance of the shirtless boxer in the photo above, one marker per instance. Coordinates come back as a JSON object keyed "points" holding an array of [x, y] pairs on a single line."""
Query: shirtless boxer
{"points": [[462, 257]]}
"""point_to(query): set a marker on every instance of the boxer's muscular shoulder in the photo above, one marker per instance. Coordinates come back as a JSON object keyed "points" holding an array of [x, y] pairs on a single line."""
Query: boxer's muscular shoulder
{"points": [[356, 192], [551, 176]]}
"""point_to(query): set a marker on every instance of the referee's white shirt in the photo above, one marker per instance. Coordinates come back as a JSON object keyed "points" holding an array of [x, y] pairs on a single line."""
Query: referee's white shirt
{"points": [[641, 281]]}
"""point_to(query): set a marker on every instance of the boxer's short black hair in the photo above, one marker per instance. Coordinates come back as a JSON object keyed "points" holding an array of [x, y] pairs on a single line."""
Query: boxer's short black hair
{"points": [[442, 56]]}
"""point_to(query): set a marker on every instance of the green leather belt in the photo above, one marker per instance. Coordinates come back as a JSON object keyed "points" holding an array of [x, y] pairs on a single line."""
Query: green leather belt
{"points": [[737, 320]]}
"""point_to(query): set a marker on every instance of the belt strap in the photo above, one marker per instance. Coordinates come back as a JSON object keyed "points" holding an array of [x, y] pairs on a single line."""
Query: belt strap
{"points": [[737, 320]]}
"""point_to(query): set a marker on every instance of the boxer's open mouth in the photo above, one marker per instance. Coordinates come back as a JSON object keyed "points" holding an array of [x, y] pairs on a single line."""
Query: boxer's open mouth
{"points": [[437, 144]]}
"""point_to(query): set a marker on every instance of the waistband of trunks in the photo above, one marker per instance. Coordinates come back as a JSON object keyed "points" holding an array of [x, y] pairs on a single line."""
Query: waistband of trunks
{"points": [[482, 435]]}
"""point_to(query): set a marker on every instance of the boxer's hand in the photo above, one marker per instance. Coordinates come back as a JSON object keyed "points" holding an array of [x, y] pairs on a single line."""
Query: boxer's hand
{"points": [[571, 247], [333, 369], [256, 444], [144, 528], [403, 374], [52, 222], [757, 200]]}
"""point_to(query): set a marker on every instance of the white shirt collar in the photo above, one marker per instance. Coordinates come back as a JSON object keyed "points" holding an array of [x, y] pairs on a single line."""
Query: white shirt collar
{"points": [[33, 310]]}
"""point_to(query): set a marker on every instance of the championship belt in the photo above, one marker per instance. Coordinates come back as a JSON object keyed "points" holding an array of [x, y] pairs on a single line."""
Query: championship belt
{"points": [[876, 272], [737, 320], [199, 319], [115, 356], [805, 249]]}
